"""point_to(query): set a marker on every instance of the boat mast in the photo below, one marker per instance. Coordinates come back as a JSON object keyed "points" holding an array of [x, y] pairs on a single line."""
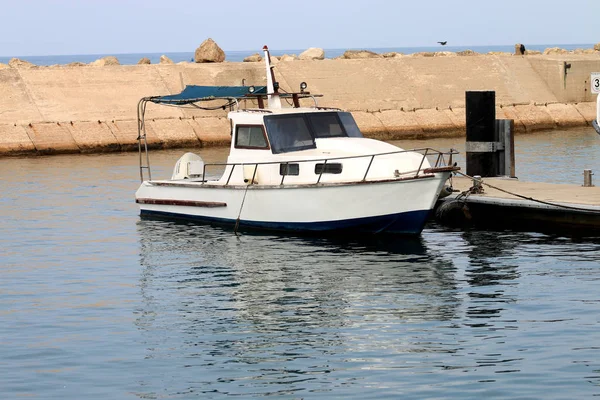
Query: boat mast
{"points": [[272, 87]]}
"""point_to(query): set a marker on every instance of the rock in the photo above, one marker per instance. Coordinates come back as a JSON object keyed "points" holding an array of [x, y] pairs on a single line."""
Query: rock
{"points": [[360, 54], [590, 51], [444, 54], [17, 63], [312, 53], [554, 50], [499, 53], [519, 49], [4, 66], [287, 57], [274, 60], [165, 60], [254, 58], [424, 54], [104, 61], [532, 52], [209, 52], [76, 64], [144, 61], [467, 53], [597, 47], [392, 54]]}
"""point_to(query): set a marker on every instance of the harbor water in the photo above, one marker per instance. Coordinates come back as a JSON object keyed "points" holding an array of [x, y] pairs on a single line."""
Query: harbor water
{"points": [[97, 303], [238, 56]]}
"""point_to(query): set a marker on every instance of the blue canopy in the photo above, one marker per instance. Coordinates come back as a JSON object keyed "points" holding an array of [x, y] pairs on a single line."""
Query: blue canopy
{"points": [[193, 93]]}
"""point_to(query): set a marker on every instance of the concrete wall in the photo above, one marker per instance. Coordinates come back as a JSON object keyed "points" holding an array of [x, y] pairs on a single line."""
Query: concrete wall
{"points": [[47, 110]]}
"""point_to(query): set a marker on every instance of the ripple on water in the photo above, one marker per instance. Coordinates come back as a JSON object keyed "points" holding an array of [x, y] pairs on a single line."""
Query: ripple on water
{"points": [[95, 301]]}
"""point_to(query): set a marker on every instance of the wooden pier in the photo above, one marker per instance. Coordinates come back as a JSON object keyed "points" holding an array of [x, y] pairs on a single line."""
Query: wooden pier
{"points": [[506, 203]]}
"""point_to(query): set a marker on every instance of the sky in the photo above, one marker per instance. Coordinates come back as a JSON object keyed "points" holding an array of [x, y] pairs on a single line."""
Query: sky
{"points": [[62, 27]]}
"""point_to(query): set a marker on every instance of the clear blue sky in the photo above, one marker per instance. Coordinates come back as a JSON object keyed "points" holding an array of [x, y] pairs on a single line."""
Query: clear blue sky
{"points": [[55, 27]]}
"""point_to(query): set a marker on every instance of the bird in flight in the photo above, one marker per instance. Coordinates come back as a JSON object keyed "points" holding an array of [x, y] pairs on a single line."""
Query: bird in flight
{"points": [[443, 43]]}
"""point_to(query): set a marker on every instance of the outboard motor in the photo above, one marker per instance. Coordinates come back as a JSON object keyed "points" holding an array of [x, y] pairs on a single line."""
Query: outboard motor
{"points": [[189, 166]]}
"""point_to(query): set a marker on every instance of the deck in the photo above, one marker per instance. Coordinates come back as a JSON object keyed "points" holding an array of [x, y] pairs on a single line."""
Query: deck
{"points": [[512, 204]]}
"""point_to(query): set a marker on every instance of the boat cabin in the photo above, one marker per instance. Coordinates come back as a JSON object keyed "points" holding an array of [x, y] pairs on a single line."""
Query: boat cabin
{"points": [[286, 132]]}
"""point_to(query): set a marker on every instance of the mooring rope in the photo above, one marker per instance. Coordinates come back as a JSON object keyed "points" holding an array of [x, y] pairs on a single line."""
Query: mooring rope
{"points": [[237, 221], [480, 180]]}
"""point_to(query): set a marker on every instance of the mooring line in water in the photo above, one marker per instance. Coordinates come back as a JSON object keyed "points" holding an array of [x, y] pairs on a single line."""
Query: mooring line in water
{"points": [[237, 221], [472, 190]]}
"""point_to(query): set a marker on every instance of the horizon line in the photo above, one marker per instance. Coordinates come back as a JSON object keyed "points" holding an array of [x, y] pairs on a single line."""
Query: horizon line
{"points": [[278, 50]]}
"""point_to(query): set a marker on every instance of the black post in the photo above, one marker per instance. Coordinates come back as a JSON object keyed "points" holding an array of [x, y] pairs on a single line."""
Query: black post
{"points": [[506, 150], [480, 146]]}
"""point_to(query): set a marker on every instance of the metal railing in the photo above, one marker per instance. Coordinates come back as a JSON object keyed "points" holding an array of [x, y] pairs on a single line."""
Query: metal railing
{"points": [[442, 159]]}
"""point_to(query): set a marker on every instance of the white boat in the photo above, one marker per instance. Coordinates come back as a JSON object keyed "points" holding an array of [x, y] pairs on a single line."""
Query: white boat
{"points": [[302, 169]]}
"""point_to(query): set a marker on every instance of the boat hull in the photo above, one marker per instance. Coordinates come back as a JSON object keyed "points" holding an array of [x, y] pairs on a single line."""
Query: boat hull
{"points": [[395, 206]]}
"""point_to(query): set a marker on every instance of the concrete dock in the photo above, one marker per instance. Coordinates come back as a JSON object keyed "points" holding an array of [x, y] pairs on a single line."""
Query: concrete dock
{"points": [[512, 204]]}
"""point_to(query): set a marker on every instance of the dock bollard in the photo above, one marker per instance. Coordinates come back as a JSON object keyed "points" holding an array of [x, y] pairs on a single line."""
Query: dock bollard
{"points": [[477, 183], [587, 178]]}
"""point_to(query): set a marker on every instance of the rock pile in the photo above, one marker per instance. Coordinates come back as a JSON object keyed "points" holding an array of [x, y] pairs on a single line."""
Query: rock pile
{"points": [[312, 53], [288, 57], [209, 52], [165, 60], [17, 63], [253, 58], [105, 61], [359, 54]]}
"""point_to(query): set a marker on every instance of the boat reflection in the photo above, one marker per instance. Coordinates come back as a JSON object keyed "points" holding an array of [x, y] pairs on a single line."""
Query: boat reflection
{"points": [[280, 283]]}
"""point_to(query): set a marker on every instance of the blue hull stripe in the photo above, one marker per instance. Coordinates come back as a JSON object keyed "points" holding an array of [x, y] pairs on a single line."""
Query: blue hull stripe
{"points": [[411, 223]]}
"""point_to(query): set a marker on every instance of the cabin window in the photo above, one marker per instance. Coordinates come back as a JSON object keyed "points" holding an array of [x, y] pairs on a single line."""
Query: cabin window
{"points": [[289, 133], [326, 125], [350, 126], [333, 168], [289, 169], [250, 137]]}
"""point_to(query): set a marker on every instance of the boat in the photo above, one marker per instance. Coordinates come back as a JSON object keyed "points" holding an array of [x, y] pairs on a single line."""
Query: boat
{"points": [[298, 168]]}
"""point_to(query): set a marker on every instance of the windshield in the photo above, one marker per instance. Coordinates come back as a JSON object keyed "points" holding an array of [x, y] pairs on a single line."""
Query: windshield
{"points": [[289, 133], [350, 126], [294, 132]]}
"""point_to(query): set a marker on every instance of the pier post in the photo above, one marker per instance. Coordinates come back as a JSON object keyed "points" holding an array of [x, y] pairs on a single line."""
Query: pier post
{"points": [[506, 148], [481, 142]]}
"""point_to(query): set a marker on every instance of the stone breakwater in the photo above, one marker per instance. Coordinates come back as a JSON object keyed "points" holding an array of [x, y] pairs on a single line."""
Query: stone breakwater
{"points": [[92, 108]]}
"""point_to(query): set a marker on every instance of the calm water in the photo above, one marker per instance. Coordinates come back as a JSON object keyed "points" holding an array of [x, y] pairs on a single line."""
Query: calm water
{"points": [[133, 58], [98, 304]]}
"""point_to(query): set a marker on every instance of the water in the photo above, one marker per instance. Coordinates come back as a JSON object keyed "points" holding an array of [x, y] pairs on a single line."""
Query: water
{"points": [[238, 56], [96, 303]]}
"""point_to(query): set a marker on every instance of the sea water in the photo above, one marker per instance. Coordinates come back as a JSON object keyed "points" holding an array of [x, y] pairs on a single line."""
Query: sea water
{"points": [[238, 56], [97, 303]]}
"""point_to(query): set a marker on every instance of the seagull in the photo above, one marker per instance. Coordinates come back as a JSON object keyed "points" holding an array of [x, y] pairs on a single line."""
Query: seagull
{"points": [[443, 43]]}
